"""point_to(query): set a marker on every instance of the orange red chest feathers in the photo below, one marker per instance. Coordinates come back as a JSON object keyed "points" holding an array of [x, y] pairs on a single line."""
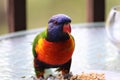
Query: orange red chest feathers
{"points": [[55, 53]]}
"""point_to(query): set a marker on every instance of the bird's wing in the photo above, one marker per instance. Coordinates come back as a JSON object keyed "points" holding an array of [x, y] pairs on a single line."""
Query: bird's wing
{"points": [[40, 35]]}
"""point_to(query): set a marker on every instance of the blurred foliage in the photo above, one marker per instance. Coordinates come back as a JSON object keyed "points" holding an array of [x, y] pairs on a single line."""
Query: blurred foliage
{"points": [[3, 17], [39, 11]]}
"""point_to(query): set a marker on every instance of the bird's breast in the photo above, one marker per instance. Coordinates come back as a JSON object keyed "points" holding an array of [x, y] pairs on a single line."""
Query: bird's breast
{"points": [[55, 53]]}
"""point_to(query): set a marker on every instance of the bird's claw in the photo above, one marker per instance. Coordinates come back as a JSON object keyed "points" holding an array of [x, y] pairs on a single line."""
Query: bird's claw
{"points": [[67, 76]]}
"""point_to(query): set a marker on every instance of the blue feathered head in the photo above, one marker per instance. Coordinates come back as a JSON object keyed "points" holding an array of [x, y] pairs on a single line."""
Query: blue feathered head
{"points": [[60, 19], [58, 27]]}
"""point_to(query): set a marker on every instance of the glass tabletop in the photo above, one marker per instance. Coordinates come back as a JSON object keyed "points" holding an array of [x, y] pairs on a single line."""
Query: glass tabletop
{"points": [[93, 51]]}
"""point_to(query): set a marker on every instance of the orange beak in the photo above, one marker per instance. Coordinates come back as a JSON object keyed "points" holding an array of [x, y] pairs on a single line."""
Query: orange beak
{"points": [[67, 28]]}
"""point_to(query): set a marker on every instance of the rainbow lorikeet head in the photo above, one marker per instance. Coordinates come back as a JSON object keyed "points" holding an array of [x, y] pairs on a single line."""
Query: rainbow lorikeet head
{"points": [[58, 28]]}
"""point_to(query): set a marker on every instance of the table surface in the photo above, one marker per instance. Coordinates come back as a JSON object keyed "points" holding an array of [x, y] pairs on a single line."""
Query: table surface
{"points": [[93, 51]]}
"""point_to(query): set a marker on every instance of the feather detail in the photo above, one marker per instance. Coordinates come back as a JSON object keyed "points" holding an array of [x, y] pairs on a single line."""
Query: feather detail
{"points": [[55, 53], [41, 35]]}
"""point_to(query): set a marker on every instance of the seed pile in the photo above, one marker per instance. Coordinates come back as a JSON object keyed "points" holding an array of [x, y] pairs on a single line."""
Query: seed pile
{"points": [[89, 76], [82, 76]]}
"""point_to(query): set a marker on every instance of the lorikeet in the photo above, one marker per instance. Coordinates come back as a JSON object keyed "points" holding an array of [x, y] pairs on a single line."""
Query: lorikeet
{"points": [[53, 48]]}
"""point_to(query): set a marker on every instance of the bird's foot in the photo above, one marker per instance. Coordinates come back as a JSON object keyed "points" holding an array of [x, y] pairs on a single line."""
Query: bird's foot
{"points": [[66, 74], [40, 75]]}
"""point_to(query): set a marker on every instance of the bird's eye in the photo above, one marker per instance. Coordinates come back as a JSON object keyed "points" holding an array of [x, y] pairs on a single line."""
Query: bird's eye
{"points": [[55, 22]]}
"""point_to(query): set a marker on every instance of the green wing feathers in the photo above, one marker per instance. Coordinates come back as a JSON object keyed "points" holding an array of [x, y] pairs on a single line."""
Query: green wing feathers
{"points": [[40, 35]]}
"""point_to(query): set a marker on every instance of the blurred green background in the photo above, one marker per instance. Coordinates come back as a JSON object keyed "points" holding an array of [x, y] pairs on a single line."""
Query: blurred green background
{"points": [[39, 11]]}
